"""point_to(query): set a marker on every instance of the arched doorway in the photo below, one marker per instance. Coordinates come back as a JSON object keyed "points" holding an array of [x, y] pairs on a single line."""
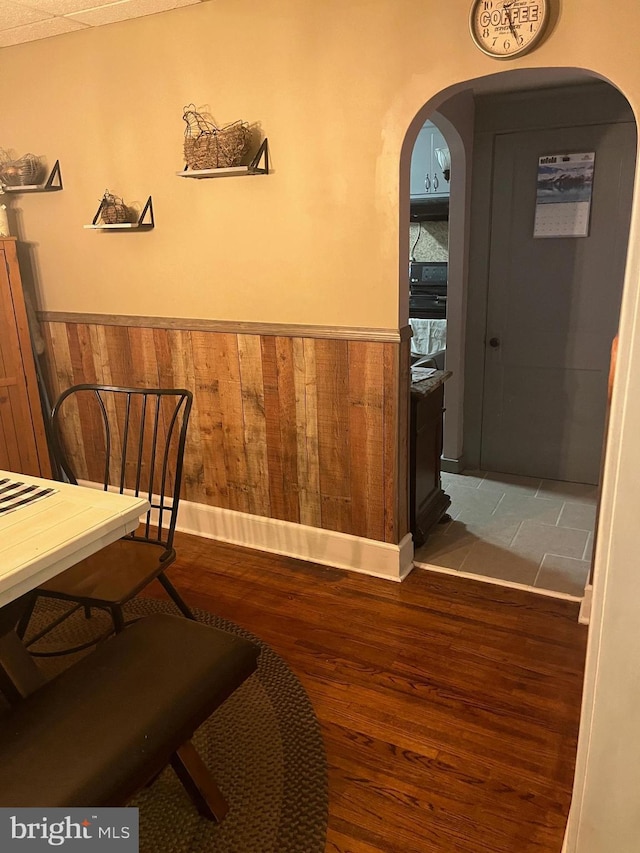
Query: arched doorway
{"points": [[501, 522]]}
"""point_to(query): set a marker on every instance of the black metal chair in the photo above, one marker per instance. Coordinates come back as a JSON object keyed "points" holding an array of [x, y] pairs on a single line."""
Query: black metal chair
{"points": [[130, 440]]}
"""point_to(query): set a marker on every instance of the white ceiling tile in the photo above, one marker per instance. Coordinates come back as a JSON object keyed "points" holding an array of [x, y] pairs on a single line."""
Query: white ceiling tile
{"points": [[39, 30], [63, 7], [14, 15], [28, 20], [126, 9]]}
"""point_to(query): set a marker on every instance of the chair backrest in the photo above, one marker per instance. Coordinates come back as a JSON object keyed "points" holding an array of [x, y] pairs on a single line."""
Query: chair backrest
{"points": [[128, 440]]}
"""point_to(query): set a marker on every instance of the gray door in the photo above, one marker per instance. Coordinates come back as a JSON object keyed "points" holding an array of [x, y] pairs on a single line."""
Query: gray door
{"points": [[553, 308]]}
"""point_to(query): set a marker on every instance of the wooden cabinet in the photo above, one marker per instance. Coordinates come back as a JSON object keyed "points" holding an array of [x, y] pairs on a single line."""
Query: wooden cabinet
{"points": [[427, 179], [23, 443], [428, 503]]}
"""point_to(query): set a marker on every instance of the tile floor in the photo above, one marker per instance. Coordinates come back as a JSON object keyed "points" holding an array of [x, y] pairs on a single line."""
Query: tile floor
{"points": [[519, 530]]}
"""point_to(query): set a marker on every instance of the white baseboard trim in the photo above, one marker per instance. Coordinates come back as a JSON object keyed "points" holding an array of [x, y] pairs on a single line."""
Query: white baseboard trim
{"points": [[451, 466], [327, 547], [584, 617]]}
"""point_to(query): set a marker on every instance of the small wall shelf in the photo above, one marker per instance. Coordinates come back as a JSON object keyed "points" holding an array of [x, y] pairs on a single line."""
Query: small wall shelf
{"points": [[140, 225], [51, 185], [254, 168]]}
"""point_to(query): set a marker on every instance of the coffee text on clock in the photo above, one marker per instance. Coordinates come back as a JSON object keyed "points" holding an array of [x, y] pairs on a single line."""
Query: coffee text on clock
{"points": [[514, 15]]}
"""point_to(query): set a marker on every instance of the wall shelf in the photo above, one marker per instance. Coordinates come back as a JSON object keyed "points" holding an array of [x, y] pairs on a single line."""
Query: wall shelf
{"points": [[256, 167], [139, 225], [51, 185], [120, 226]]}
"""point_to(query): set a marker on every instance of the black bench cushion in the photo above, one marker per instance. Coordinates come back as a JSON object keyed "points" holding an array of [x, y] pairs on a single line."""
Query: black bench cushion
{"points": [[104, 727]]}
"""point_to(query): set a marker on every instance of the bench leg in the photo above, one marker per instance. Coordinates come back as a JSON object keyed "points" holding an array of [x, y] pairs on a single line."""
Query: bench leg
{"points": [[199, 783]]}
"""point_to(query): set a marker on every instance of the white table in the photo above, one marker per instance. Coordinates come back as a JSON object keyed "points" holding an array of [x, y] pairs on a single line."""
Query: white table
{"points": [[42, 539]]}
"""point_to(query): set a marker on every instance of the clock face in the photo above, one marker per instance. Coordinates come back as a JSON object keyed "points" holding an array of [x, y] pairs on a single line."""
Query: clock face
{"points": [[506, 28]]}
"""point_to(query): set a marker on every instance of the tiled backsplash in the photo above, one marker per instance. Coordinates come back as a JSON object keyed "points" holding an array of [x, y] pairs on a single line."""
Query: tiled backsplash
{"points": [[433, 241]]}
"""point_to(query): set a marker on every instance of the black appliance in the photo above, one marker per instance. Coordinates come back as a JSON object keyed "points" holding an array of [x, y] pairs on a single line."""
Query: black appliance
{"points": [[428, 290], [429, 209]]}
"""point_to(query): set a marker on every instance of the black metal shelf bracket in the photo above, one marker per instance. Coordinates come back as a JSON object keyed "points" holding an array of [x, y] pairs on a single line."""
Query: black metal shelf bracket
{"points": [[262, 154], [54, 181], [147, 210]]}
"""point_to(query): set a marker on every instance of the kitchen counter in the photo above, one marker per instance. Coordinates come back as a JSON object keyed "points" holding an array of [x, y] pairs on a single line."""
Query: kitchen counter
{"points": [[423, 387]]}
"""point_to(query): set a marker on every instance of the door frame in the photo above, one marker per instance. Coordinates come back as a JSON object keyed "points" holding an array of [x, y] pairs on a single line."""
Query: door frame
{"points": [[611, 692]]}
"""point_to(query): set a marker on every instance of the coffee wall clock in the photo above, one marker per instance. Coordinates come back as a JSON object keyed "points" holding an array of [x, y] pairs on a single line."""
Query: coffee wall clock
{"points": [[507, 28]]}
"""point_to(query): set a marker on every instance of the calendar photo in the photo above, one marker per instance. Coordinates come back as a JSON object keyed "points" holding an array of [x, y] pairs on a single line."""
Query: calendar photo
{"points": [[563, 195]]}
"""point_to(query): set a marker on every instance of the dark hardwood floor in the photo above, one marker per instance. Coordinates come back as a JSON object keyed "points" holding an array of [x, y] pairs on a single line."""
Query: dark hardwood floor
{"points": [[449, 708]]}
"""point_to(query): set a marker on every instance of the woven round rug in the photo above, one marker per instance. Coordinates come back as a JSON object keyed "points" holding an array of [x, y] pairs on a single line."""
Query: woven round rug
{"points": [[263, 746]]}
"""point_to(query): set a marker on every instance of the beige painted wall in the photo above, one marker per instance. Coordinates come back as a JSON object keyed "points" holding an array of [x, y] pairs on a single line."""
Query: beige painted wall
{"points": [[108, 103], [335, 86]]}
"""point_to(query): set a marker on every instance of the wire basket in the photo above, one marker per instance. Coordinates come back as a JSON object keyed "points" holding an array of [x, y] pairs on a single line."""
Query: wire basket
{"points": [[21, 172], [209, 147], [113, 210]]}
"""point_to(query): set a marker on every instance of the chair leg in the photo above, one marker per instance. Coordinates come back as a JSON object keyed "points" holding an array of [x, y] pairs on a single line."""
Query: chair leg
{"points": [[199, 783], [23, 622], [170, 588]]}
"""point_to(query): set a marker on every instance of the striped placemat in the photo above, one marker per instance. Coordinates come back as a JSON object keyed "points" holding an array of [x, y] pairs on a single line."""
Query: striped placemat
{"points": [[14, 494]]}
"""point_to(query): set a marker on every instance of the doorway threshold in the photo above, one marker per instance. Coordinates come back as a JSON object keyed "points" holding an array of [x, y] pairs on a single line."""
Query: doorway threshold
{"points": [[550, 593], [515, 531]]}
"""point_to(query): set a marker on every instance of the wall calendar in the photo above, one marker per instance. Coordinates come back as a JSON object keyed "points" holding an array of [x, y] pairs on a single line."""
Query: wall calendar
{"points": [[563, 195]]}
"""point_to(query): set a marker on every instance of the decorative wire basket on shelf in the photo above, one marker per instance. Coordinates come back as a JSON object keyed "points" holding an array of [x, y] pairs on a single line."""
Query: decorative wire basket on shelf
{"points": [[209, 147], [19, 172], [113, 210]]}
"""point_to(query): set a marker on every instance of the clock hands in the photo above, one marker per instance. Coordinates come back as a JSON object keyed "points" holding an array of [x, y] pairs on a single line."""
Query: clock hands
{"points": [[513, 30], [506, 7]]}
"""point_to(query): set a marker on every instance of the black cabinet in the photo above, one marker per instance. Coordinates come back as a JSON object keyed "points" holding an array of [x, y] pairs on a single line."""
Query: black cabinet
{"points": [[428, 503]]}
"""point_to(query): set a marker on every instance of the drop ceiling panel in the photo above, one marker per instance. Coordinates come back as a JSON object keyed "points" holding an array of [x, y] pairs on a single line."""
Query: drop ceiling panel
{"points": [[62, 7], [15, 15], [125, 10], [39, 30], [28, 20]]}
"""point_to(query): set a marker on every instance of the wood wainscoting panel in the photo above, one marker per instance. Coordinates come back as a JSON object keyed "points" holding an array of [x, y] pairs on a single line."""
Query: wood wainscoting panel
{"points": [[281, 426], [332, 381], [304, 376], [307, 430], [366, 430]]}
